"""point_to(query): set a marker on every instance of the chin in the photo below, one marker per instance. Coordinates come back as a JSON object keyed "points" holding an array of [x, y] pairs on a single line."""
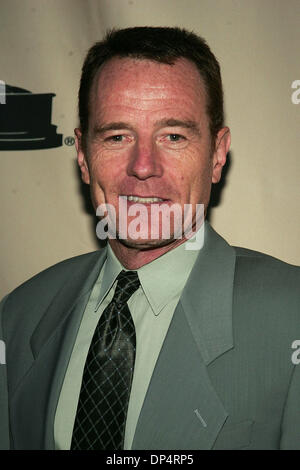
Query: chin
{"points": [[142, 244]]}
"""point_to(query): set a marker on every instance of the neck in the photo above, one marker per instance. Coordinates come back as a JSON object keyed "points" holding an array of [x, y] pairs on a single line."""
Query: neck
{"points": [[135, 256]]}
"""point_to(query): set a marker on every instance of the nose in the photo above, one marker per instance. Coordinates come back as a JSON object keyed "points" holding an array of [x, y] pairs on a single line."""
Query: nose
{"points": [[144, 161]]}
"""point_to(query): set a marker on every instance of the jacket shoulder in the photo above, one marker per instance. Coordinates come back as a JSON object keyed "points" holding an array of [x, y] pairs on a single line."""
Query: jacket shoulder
{"points": [[49, 281], [23, 308], [258, 260], [259, 276]]}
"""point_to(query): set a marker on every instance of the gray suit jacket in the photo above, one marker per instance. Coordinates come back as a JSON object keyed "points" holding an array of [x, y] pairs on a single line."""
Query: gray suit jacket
{"points": [[224, 378]]}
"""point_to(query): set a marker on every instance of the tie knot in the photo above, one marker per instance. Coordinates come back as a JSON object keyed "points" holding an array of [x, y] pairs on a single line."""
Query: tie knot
{"points": [[128, 283]]}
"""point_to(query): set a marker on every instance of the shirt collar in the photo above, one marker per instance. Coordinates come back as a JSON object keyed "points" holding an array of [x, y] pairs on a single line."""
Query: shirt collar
{"points": [[110, 272], [162, 280]]}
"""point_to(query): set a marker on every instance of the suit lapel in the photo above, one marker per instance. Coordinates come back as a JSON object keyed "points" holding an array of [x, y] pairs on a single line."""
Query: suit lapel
{"points": [[207, 297], [52, 341], [181, 409], [81, 281]]}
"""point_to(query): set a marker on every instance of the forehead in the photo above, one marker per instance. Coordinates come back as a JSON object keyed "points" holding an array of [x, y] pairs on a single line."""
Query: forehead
{"points": [[146, 85]]}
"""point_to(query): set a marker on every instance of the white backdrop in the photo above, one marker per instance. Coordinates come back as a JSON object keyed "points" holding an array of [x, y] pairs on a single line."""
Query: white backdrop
{"points": [[43, 44]]}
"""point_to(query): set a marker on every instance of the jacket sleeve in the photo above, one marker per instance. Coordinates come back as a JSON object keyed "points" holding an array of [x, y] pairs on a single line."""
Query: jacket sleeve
{"points": [[290, 431], [4, 421]]}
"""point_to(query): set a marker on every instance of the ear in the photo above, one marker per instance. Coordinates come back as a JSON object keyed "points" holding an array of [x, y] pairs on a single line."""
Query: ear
{"points": [[81, 158], [222, 145]]}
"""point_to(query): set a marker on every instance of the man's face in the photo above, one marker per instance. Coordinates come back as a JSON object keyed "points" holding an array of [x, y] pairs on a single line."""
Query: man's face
{"points": [[149, 137]]}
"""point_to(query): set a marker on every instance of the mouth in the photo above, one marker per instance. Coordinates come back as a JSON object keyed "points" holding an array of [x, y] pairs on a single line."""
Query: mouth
{"points": [[143, 200]]}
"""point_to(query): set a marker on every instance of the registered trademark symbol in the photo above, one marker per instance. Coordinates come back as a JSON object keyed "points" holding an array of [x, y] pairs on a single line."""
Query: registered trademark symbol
{"points": [[69, 140]]}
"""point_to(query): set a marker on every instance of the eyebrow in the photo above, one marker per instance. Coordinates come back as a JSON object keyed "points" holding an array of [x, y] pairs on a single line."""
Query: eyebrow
{"points": [[170, 122], [112, 126], [192, 125]]}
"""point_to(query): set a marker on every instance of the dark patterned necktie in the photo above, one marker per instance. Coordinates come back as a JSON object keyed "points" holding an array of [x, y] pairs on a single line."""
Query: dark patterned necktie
{"points": [[104, 396]]}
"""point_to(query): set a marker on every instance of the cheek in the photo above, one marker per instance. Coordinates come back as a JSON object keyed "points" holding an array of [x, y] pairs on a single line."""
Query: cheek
{"points": [[107, 165], [100, 169], [198, 182], [97, 179], [106, 179]]}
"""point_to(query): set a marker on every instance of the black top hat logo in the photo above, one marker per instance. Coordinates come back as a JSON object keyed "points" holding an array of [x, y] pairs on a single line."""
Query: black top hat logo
{"points": [[25, 121]]}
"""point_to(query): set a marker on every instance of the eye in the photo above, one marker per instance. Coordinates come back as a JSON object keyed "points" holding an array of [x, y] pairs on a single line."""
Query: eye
{"points": [[116, 138], [176, 137], [174, 141]]}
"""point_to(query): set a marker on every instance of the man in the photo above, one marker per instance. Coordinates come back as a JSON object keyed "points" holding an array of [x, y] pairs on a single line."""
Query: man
{"points": [[147, 344]]}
